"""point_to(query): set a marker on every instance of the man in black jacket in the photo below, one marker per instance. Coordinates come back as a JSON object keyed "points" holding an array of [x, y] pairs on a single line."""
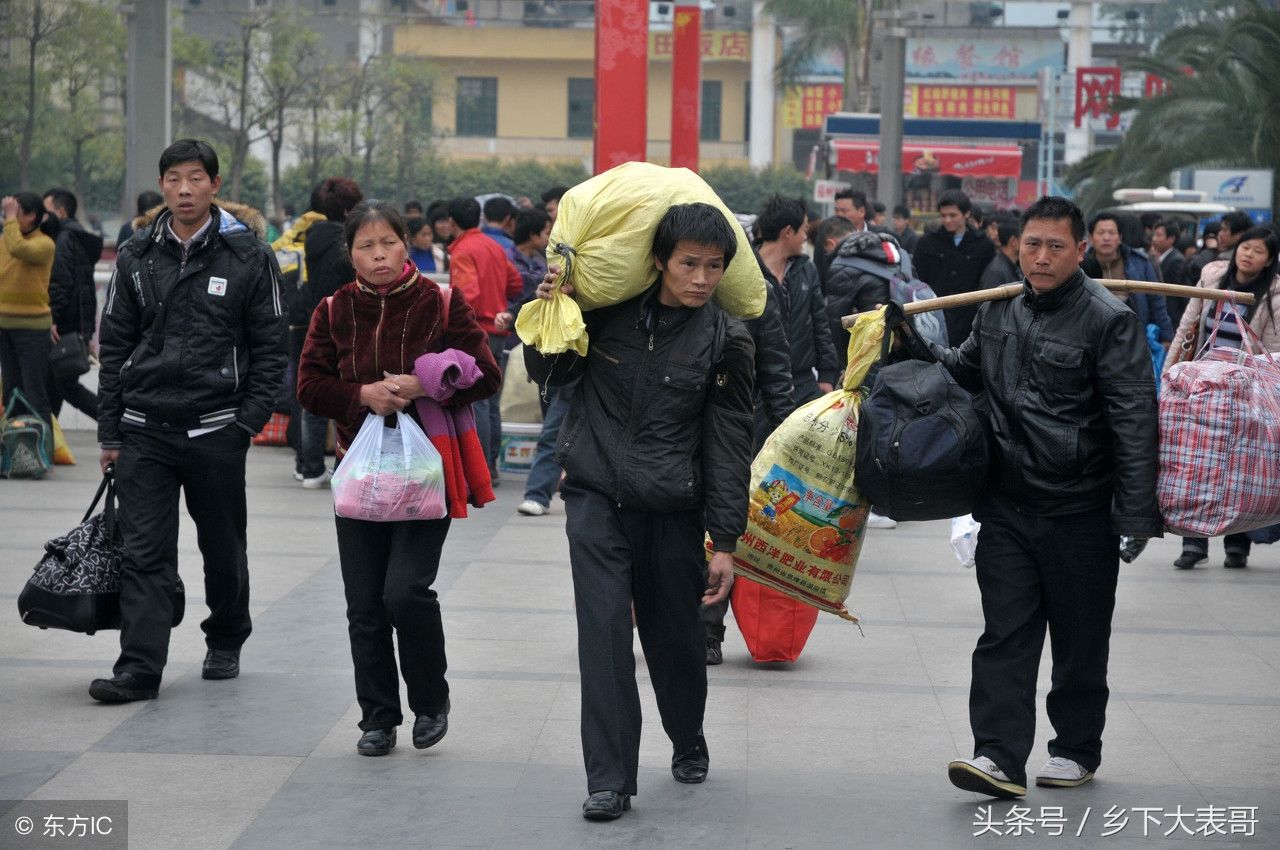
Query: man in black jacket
{"points": [[1071, 402], [191, 365], [656, 449], [783, 228], [73, 298], [952, 258], [1003, 267]]}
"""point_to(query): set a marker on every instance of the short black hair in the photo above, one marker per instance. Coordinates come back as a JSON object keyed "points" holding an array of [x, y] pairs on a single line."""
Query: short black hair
{"points": [[955, 198], [529, 223], [1055, 208], [1149, 219], [859, 198], [498, 209], [1211, 229], [1006, 229], [902, 211], [64, 198], [437, 211], [979, 217], [148, 201], [699, 223], [414, 224], [1105, 215], [410, 206], [465, 212], [1237, 222], [779, 213], [836, 227], [1171, 226], [30, 202], [555, 193], [878, 207], [190, 150], [369, 211], [334, 197]]}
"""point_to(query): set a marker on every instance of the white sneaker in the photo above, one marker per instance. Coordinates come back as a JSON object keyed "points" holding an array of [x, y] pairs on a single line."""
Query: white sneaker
{"points": [[1062, 773], [874, 520], [983, 776], [531, 508], [321, 480], [297, 476]]}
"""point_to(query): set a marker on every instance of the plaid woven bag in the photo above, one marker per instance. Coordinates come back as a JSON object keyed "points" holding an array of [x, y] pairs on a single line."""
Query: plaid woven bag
{"points": [[1220, 441]]}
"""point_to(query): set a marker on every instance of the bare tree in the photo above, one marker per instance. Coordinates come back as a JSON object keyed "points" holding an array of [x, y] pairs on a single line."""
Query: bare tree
{"points": [[282, 72], [33, 23]]}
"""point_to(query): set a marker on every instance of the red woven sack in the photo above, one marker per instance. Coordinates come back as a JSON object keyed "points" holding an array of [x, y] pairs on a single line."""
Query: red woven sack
{"points": [[275, 432], [774, 625], [1220, 442]]}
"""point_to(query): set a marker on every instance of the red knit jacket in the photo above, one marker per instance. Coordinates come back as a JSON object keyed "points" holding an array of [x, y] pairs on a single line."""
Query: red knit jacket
{"points": [[357, 335], [480, 269]]}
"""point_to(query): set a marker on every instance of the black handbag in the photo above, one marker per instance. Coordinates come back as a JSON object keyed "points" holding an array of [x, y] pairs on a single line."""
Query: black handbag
{"points": [[69, 356], [76, 585]]}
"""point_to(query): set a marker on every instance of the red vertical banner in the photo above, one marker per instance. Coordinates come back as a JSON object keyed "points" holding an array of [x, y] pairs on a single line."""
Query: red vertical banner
{"points": [[686, 87], [622, 82]]}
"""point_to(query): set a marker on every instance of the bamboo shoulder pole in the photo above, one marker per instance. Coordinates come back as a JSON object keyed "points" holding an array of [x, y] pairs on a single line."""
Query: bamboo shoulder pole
{"points": [[1010, 290]]}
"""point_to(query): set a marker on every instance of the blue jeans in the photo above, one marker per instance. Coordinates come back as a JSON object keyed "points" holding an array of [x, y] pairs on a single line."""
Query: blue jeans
{"points": [[544, 475], [311, 438], [488, 411]]}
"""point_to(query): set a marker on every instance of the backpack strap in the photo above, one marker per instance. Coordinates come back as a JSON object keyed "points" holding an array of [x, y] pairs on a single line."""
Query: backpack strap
{"points": [[446, 292]]}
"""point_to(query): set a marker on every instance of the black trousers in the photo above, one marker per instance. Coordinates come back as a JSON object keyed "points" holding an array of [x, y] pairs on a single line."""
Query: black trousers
{"points": [[655, 560], [1035, 571], [24, 365], [69, 389], [1232, 544], [209, 469], [387, 572]]}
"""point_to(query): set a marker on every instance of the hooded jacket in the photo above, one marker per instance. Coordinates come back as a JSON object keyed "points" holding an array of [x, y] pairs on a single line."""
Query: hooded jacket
{"points": [[72, 295], [852, 290], [192, 341]]}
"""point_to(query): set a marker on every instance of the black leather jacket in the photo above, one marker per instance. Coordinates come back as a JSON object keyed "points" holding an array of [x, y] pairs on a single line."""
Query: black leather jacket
{"points": [[1071, 397], [655, 425]]}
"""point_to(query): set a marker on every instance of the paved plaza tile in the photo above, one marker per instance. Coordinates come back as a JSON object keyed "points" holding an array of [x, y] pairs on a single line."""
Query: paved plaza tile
{"points": [[845, 748]]}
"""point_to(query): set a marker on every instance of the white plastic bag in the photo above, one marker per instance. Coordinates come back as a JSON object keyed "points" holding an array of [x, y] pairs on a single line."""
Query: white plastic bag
{"points": [[390, 474], [964, 539]]}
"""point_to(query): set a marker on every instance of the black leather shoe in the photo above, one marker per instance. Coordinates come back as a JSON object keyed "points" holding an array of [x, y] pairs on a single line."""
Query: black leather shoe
{"points": [[1236, 561], [428, 729], [691, 767], [221, 664], [122, 687], [606, 805], [376, 742], [1187, 560], [714, 654]]}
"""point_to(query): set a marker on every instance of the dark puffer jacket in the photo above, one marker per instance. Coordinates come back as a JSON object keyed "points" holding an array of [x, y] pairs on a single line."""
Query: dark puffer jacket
{"points": [[191, 341], [660, 421], [852, 290], [73, 297], [773, 394], [1072, 402]]}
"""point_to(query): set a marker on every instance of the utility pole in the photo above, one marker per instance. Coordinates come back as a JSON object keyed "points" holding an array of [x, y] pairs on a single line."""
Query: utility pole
{"points": [[148, 96], [893, 83], [763, 46], [1076, 143]]}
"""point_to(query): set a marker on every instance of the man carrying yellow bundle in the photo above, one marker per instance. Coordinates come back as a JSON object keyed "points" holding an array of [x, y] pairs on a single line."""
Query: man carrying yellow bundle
{"points": [[656, 448]]}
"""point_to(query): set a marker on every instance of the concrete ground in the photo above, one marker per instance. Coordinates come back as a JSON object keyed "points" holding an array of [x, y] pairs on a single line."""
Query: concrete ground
{"points": [[845, 748]]}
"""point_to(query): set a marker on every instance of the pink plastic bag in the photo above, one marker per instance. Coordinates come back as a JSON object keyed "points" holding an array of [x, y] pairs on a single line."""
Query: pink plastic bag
{"points": [[390, 474], [1220, 442]]}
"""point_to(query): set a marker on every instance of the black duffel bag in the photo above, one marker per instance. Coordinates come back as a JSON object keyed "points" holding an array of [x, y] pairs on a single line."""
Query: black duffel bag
{"points": [[76, 585], [922, 447]]}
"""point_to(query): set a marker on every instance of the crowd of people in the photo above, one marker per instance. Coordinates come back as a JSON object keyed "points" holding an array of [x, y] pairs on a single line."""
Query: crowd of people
{"points": [[648, 438]]}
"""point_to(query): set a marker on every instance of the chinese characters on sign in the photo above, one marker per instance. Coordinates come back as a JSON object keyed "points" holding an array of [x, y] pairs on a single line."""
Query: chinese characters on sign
{"points": [[982, 59], [1150, 821], [717, 45], [1096, 91], [805, 107], [927, 101]]}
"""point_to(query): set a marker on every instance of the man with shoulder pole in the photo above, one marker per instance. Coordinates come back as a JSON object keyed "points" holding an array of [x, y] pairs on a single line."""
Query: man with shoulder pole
{"points": [[656, 448], [191, 367], [1072, 491]]}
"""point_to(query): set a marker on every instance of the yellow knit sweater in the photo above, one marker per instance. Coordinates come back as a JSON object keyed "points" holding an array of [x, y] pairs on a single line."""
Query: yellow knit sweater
{"points": [[25, 264]]}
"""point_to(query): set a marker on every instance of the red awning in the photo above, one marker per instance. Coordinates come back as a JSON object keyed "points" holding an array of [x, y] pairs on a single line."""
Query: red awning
{"points": [[929, 158]]}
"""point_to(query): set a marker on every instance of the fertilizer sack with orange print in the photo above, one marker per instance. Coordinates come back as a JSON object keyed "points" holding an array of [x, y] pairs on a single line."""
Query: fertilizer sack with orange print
{"points": [[806, 517]]}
